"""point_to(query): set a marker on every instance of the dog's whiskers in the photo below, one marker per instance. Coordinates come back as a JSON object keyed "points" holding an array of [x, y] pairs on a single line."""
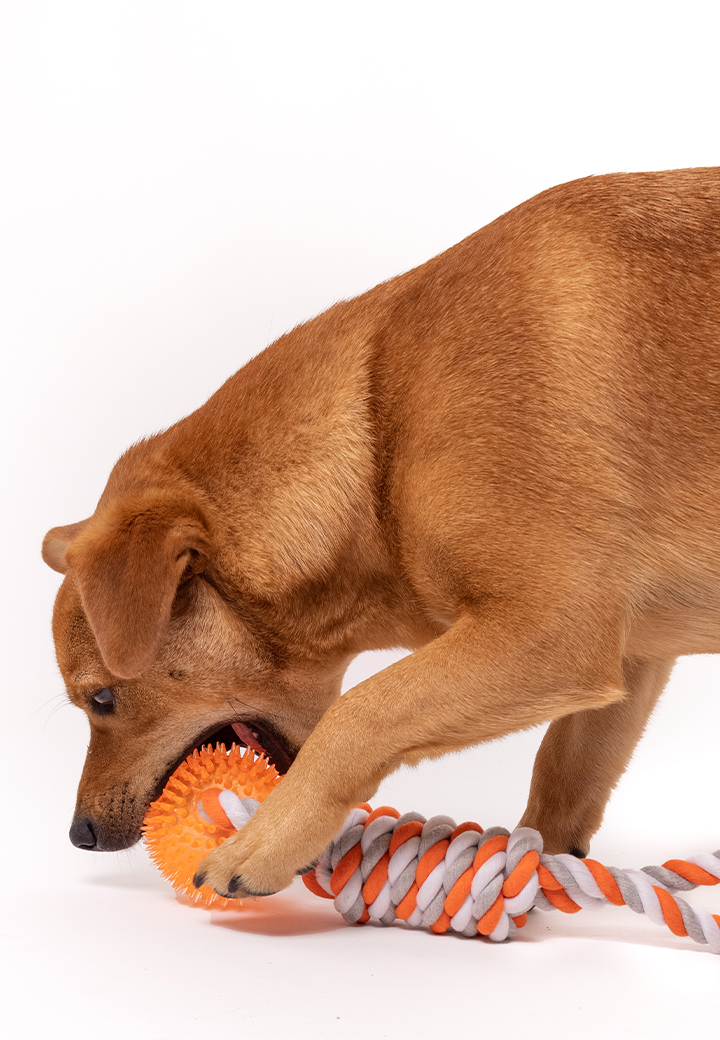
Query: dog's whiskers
{"points": [[62, 697]]}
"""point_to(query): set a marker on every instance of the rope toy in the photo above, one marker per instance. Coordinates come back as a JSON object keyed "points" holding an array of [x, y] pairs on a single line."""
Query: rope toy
{"points": [[385, 867]]}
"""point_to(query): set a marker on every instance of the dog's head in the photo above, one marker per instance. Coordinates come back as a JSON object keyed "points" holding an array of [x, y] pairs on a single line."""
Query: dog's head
{"points": [[163, 659]]}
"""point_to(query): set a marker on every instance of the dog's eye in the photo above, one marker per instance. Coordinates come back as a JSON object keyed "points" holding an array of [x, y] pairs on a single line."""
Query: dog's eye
{"points": [[103, 701]]}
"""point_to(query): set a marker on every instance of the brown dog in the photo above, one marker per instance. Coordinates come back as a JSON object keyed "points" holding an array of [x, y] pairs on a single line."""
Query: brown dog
{"points": [[507, 460]]}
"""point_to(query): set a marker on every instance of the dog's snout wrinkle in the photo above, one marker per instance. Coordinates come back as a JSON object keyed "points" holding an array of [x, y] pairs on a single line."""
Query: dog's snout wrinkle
{"points": [[82, 833]]}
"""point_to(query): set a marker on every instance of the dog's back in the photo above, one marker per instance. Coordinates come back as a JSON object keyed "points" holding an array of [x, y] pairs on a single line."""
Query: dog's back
{"points": [[552, 390]]}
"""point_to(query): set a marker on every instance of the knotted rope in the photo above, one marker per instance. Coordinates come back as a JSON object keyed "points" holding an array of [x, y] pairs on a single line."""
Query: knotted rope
{"points": [[386, 867]]}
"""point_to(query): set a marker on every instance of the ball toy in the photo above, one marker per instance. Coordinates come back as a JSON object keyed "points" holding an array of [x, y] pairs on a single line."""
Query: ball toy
{"points": [[387, 867], [188, 819]]}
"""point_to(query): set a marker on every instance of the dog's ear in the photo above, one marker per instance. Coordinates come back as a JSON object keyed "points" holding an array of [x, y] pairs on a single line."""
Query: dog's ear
{"points": [[127, 563], [56, 542]]}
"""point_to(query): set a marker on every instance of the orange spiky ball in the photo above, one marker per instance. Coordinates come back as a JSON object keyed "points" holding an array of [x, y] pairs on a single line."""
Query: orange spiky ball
{"points": [[176, 835]]}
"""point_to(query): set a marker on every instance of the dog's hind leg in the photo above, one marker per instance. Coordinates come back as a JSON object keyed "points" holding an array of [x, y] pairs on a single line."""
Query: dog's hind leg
{"points": [[583, 756]]}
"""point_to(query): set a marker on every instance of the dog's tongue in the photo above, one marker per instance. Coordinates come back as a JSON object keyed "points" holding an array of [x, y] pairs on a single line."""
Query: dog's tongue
{"points": [[247, 736]]}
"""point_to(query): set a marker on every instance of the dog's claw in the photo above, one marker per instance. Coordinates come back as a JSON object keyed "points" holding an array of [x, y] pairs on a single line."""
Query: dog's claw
{"points": [[237, 882], [306, 870], [199, 878]]}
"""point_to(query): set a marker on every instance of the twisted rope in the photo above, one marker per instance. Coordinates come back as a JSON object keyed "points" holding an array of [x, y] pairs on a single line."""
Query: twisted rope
{"points": [[433, 873]]}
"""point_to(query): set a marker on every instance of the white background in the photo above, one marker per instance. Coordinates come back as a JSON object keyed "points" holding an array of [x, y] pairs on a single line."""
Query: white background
{"points": [[179, 184]]}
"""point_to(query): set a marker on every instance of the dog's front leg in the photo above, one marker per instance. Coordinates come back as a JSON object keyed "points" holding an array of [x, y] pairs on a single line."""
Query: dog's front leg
{"points": [[477, 682]]}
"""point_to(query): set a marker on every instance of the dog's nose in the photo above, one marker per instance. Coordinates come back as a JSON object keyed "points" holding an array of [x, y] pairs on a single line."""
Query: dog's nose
{"points": [[82, 834]]}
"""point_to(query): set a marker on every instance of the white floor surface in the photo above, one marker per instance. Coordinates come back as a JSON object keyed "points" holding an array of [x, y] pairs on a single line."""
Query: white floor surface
{"points": [[107, 951], [96, 945]]}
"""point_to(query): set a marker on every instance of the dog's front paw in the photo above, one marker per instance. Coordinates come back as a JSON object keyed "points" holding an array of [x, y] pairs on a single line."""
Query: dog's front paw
{"points": [[264, 856], [284, 838], [238, 868]]}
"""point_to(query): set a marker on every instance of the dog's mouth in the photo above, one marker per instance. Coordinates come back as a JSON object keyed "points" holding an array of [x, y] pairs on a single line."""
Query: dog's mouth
{"points": [[260, 737]]}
